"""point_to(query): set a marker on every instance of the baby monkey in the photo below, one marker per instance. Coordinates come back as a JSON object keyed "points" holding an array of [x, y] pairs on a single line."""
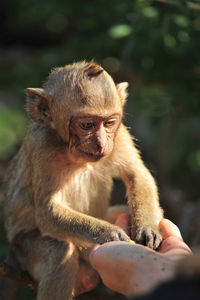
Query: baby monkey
{"points": [[59, 183]]}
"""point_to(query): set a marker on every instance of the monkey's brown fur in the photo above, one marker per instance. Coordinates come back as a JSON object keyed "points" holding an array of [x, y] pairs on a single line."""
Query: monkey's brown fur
{"points": [[59, 183]]}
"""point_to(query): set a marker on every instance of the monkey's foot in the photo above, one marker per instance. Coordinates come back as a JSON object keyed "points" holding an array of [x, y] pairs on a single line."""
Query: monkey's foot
{"points": [[86, 279], [148, 236]]}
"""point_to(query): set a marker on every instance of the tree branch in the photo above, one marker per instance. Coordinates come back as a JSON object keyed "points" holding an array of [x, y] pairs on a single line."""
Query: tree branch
{"points": [[22, 276]]}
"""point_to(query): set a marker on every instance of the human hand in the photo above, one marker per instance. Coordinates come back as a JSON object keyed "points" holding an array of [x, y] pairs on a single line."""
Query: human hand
{"points": [[86, 277], [132, 269]]}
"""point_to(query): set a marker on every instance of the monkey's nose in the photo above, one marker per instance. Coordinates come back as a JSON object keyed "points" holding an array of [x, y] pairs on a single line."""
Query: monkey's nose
{"points": [[100, 148]]}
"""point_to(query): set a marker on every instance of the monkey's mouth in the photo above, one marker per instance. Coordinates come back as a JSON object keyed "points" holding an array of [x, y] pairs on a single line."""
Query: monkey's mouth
{"points": [[92, 155]]}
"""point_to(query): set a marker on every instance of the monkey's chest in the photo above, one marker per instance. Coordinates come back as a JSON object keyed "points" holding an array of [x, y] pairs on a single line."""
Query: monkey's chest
{"points": [[88, 193]]}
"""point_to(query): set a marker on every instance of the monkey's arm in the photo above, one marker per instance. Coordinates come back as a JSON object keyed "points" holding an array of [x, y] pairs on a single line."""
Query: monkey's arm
{"points": [[64, 223], [56, 218], [141, 192]]}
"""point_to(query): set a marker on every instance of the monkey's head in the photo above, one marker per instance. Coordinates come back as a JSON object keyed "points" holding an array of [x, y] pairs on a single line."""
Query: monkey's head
{"points": [[85, 107]]}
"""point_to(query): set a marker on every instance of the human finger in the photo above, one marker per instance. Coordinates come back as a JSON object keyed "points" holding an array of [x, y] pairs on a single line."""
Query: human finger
{"points": [[123, 222], [114, 211], [86, 279], [168, 229], [173, 243]]}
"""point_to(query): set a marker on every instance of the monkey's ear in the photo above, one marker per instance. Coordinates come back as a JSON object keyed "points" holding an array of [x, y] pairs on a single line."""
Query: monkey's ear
{"points": [[37, 107], [122, 91]]}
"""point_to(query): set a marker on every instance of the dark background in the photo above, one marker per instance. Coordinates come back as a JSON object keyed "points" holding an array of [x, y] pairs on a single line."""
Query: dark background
{"points": [[154, 45]]}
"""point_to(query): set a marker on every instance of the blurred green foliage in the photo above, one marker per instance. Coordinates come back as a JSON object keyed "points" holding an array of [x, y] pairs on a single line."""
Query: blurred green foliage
{"points": [[12, 129], [154, 45]]}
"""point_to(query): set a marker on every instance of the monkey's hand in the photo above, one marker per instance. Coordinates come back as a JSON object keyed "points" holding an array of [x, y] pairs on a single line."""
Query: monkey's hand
{"points": [[148, 236], [112, 233]]}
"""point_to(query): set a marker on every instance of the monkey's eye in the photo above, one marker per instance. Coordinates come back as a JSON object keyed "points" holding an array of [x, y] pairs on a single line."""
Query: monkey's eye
{"points": [[86, 125], [109, 123]]}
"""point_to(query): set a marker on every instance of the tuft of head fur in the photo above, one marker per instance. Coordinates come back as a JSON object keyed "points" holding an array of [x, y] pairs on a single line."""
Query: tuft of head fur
{"points": [[71, 76], [93, 69], [81, 83]]}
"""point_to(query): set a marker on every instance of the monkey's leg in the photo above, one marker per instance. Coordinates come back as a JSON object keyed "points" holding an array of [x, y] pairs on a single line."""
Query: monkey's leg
{"points": [[52, 263], [58, 279]]}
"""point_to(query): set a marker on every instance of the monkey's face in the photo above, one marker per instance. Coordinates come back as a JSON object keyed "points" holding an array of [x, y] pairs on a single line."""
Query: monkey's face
{"points": [[92, 136]]}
